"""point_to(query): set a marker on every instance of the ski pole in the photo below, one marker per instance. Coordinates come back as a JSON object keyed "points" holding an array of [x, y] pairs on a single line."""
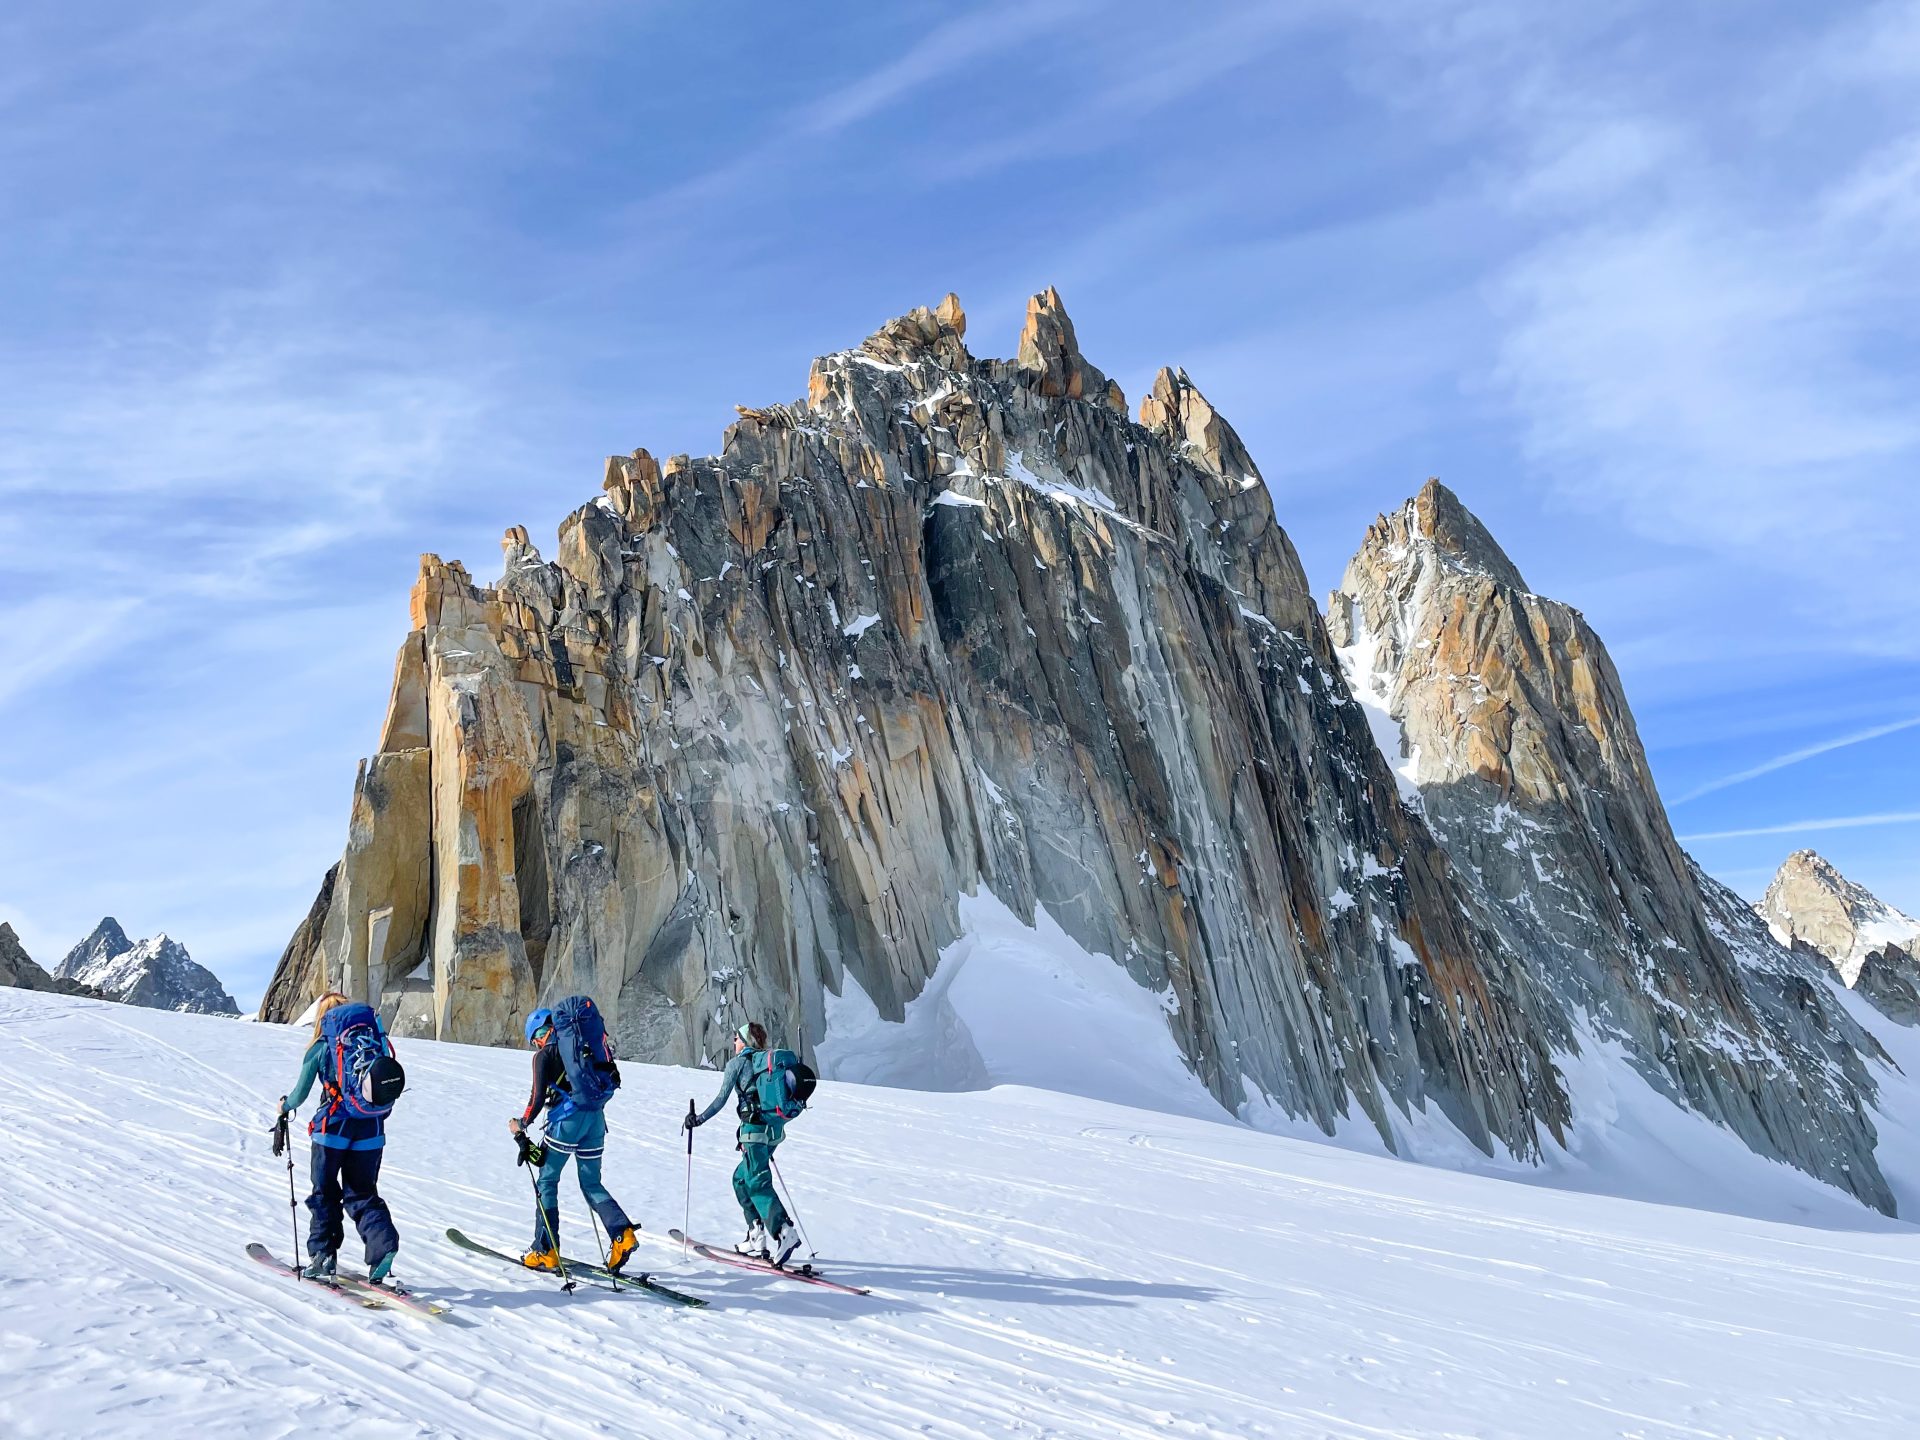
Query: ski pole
{"points": [[546, 1221], [792, 1210], [280, 1142], [686, 1218]]}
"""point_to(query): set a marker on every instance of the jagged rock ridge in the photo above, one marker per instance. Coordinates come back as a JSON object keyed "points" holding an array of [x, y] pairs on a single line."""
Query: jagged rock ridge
{"points": [[1874, 947], [950, 622], [1508, 724], [944, 623], [17, 968], [157, 973]]}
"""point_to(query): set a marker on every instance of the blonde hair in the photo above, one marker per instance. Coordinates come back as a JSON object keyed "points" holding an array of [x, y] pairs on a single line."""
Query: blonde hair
{"points": [[332, 1000]]}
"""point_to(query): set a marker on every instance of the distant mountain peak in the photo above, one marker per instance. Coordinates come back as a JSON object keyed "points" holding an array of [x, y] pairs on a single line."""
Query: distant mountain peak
{"points": [[1810, 901], [104, 942], [1438, 515], [157, 972]]}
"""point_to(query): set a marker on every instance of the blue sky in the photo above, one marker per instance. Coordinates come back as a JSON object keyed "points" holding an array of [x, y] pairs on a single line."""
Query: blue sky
{"points": [[295, 294]]}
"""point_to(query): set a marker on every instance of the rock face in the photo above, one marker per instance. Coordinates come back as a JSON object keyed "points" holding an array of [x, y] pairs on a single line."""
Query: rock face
{"points": [[16, 966], [946, 623], [1506, 723], [157, 973], [1875, 948], [1809, 900], [949, 623]]}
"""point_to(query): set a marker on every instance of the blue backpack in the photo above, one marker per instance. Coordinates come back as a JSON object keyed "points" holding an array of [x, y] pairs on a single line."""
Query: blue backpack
{"points": [[580, 1035], [782, 1085], [361, 1076]]}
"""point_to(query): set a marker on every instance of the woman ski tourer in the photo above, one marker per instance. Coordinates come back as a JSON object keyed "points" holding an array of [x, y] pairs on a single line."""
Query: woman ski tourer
{"points": [[770, 1234], [574, 1075], [352, 1060]]}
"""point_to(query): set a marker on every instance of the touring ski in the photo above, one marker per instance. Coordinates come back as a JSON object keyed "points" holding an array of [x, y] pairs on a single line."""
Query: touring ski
{"points": [[766, 1267], [640, 1281], [389, 1290], [273, 1262]]}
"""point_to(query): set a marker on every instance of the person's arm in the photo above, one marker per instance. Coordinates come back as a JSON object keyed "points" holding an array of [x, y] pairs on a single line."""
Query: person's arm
{"points": [[544, 1059], [309, 1071], [729, 1081]]}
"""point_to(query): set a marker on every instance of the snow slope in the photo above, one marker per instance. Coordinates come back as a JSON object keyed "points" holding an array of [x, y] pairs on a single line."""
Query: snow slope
{"points": [[1042, 1265]]}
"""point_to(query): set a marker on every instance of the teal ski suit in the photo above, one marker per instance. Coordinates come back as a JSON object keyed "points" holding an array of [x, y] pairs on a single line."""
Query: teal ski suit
{"points": [[753, 1176]]}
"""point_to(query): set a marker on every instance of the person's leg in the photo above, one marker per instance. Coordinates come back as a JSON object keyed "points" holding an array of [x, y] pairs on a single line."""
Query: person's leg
{"points": [[360, 1177], [756, 1161], [324, 1231], [546, 1213], [743, 1194], [588, 1132]]}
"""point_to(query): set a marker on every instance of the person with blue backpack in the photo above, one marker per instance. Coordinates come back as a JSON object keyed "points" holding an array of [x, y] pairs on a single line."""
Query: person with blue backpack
{"points": [[574, 1075], [769, 1087], [352, 1060]]}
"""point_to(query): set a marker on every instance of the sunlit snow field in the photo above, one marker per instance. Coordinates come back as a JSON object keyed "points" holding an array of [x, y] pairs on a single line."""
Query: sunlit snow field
{"points": [[1041, 1264]]}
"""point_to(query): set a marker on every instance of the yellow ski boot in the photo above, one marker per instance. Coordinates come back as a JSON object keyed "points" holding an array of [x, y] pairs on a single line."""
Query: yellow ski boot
{"points": [[623, 1247], [547, 1260]]}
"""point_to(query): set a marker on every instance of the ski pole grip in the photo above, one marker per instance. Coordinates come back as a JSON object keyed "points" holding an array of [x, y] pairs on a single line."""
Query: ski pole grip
{"points": [[690, 1113]]}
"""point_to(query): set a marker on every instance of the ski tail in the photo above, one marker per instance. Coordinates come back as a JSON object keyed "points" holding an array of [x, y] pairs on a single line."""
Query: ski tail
{"points": [[805, 1273], [266, 1257], [639, 1281]]}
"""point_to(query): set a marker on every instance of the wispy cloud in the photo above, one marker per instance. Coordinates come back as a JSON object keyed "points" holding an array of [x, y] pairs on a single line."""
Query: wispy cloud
{"points": [[1794, 757], [1692, 344], [1794, 827]]}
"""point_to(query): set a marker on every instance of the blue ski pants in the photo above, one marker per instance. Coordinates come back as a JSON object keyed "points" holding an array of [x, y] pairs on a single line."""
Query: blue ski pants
{"points": [[579, 1136], [349, 1179]]}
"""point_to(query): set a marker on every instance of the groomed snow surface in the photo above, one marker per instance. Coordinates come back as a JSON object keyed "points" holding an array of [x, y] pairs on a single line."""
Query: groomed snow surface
{"points": [[1042, 1264]]}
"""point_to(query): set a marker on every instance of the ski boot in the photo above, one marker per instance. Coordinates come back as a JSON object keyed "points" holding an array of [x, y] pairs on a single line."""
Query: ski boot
{"points": [[755, 1245], [381, 1267], [786, 1240], [622, 1248], [321, 1267], [547, 1260]]}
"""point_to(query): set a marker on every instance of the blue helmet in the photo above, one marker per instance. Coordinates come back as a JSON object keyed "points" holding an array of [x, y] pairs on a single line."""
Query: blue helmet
{"points": [[538, 1021]]}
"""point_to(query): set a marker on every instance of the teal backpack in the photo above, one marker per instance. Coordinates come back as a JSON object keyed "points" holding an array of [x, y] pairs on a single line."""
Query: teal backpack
{"points": [[783, 1083]]}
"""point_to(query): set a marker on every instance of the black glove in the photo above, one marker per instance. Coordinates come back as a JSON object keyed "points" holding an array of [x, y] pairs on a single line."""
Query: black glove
{"points": [[691, 1122], [280, 1134], [530, 1153]]}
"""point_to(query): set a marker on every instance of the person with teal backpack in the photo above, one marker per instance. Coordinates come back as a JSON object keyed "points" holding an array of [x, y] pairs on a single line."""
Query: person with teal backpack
{"points": [[770, 1087], [574, 1075]]}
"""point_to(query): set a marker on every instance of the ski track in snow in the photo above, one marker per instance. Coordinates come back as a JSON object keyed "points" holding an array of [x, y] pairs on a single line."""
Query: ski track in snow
{"points": [[1042, 1266]]}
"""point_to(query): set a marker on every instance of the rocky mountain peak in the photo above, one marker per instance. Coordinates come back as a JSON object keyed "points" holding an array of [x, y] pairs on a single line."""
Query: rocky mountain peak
{"points": [[156, 972], [1811, 902], [961, 627], [937, 334], [17, 967], [1457, 533], [1176, 411], [104, 942], [1050, 354], [1504, 715]]}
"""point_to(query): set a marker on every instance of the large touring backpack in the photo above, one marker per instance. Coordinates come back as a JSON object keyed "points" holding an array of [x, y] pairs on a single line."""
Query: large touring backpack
{"points": [[782, 1085], [361, 1075], [586, 1052]]}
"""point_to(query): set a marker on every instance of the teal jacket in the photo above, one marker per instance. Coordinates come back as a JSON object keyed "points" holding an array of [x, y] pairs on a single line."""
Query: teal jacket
{"points": [[309, 1072], [736, 1080]]}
